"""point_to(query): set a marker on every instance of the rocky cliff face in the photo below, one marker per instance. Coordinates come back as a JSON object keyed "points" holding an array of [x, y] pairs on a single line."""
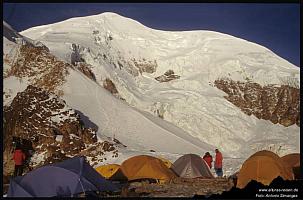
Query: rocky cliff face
{"points": [[40, 118], [54, 129], [279, 104]]}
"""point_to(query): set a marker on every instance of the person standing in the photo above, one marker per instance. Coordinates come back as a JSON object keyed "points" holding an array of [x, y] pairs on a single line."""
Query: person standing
{"points": [[208, 159], [19, 158], [218, 163]]}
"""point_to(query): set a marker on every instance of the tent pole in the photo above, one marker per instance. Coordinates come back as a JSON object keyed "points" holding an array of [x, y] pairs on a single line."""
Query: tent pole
{"points": [[81, 168], [82, 186]]}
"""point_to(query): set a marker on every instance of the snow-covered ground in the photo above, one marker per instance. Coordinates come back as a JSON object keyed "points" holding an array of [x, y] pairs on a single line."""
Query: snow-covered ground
{"points": [[197, 118]]}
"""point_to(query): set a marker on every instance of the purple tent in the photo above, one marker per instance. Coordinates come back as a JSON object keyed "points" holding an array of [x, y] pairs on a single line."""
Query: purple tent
{"points": [[67, 178]]}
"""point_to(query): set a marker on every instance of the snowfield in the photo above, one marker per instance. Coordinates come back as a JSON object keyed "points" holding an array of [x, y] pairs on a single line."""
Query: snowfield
{"points": [[130, 126], [197, 117]]}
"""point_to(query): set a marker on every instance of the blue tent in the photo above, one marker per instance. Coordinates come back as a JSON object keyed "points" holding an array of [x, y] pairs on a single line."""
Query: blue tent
{"points": [[67, 178]]}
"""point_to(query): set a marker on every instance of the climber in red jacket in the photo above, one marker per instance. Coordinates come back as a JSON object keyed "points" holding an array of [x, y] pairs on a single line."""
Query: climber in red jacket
{"points": [[19, 158], [218, 163], [208, 159]]}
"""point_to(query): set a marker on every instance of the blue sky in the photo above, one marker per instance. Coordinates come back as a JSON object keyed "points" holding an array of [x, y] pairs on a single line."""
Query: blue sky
{"points": [[275, 26]]}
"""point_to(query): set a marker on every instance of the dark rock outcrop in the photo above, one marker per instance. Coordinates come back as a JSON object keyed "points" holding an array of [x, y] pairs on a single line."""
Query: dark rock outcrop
{"points": [[110, 86], [168, 76], [279, 104], [85, 69], [75, 54], [145, 66], [78, 61]]}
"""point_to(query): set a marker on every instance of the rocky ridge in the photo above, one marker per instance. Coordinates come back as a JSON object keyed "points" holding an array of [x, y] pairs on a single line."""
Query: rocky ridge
{"points": [[278, 104], [55, 130], [41, 68]]}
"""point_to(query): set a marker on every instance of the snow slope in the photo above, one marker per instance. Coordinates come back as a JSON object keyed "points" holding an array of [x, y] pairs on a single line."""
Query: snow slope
{"points": [[133, 128], [191, 102]]}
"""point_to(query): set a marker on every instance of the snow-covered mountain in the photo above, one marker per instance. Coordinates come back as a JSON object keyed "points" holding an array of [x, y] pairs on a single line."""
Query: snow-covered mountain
{"points": [[132, 56], [113, 119], [169, 100]]}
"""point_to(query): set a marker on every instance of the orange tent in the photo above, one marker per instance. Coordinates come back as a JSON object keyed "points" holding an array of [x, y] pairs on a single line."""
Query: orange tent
{"points": [[293, 162], [146, 167], [274, 156], [266, 153], [111, 171], [292, 159], [263, 166]]}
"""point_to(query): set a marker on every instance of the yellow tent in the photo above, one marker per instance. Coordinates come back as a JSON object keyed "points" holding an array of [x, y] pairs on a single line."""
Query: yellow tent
{"points": [[146, 167], [166, 162], [111, 171], [263, 167]]}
